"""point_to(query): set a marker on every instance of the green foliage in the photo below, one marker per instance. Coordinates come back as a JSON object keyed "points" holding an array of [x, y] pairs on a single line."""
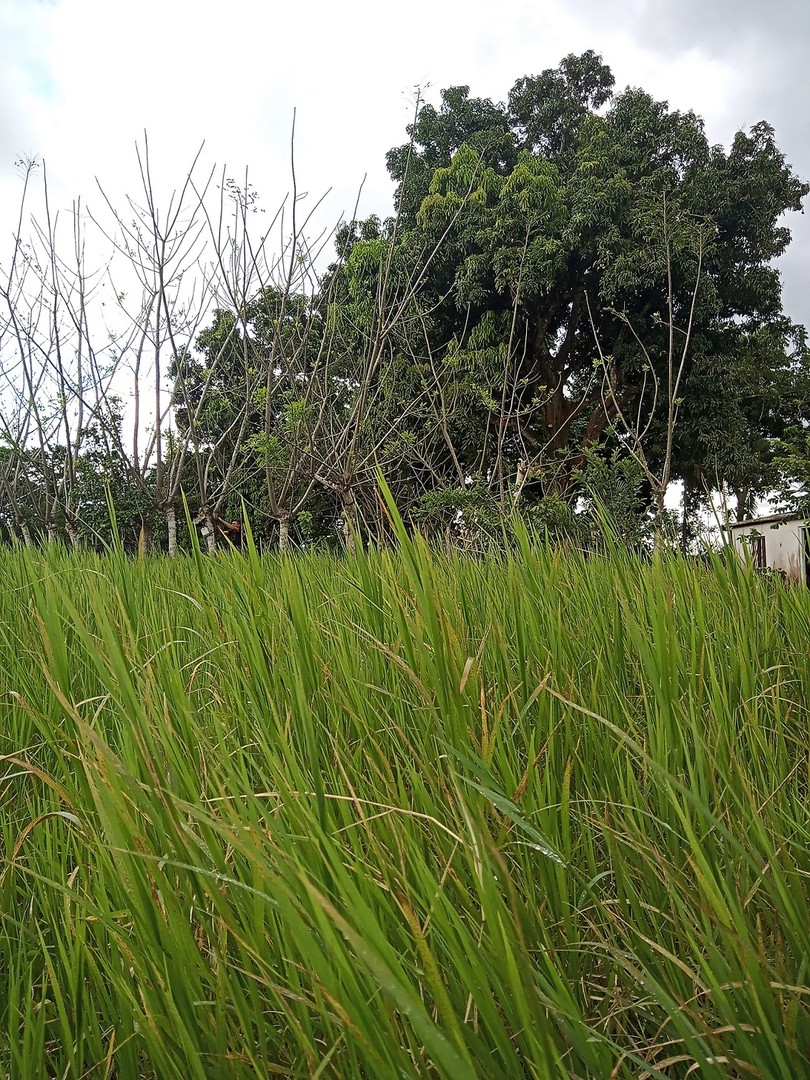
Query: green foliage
{"points": [[613, 488], [791, 465], [572, 205], [103, 475], [547, 111]]}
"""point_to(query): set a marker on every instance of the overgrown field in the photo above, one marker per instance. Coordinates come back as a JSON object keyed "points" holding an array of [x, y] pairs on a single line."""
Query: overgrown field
{"points": [[402, 815]]}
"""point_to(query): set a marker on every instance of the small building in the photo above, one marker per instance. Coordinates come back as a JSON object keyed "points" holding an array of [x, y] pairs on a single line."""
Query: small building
{"points": [[780, 542]]}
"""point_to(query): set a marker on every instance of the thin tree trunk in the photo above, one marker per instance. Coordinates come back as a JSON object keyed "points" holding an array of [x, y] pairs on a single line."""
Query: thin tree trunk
{"points": [[284, 532], [171, 526], [349, 520], [660, 512], [73, 534], [520, 482], [685, 530], [742, 495], [144, 539], [26, 534], [210, 533]]}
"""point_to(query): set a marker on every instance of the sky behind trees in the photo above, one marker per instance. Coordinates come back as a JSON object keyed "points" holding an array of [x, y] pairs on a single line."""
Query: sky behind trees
{"points": [[80, 80]]}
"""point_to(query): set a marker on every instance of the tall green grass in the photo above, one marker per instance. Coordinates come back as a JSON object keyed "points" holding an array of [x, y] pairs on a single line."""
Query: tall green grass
{"points": [[400, 815]]}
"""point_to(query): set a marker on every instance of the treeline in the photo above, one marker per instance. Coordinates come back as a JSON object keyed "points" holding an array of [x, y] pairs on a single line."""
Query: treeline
{"points": [[574, 303]]}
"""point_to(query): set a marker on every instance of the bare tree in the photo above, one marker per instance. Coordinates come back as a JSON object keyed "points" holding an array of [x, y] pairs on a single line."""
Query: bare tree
{"points": [[265, 298], [658, 398], [161, 260], [49, 373]]}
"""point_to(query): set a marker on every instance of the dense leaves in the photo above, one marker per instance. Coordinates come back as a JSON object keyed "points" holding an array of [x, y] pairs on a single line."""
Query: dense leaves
{"points": [[609, 220]]}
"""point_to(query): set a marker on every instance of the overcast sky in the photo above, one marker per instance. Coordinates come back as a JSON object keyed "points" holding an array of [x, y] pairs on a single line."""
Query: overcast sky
{"points": [[81, 79]]}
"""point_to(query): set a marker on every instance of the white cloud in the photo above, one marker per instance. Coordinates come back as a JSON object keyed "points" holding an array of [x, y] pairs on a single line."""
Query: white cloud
{"points": [[81, 79], [24, 76]]}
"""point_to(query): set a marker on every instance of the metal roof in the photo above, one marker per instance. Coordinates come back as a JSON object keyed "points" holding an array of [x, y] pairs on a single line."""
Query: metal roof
{"points": [[771, 519]]}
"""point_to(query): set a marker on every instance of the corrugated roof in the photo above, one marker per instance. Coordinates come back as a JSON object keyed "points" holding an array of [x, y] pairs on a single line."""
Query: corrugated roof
{"points": [[771, 519]]}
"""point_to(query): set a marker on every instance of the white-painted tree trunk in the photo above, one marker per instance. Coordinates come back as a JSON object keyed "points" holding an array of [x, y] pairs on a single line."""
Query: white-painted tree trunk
{"points": [[349, 520], [171, 527], [283, 533], [210, 533], [144, 539]]}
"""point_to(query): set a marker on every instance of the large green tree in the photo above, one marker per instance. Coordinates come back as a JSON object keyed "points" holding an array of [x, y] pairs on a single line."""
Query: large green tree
{"points": [[571, 223]]}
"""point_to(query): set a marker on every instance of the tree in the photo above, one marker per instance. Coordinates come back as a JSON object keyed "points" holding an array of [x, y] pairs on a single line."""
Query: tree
{"points": [[160, 251], [244, 392], [546, 205], [53, 380], [740, 403], [658, 402], [366, 382]]}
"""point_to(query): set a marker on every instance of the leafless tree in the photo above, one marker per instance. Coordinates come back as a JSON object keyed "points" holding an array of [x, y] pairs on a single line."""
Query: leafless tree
{"points": [[658, 399], [50, 375]]}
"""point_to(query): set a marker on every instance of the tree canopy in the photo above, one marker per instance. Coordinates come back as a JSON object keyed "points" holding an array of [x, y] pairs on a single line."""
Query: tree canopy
{"points": [[572, 215]]}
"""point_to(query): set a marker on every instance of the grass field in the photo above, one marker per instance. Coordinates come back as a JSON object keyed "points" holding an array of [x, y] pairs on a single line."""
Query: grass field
{"points": [[402, 815]]}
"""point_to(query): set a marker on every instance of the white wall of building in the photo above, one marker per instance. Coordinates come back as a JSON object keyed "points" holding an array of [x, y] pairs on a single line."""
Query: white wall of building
{"points": [[784, 543]]}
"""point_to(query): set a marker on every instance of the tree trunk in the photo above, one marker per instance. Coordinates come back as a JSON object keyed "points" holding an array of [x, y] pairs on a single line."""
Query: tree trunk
{"points": [[284, 532], [743, 496], [210, 534], [171, 526], [348, 504], [26, 534], [73, 534], [349, 520], [659, 538], [144, 539], [520, 482], [685, 529]]}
